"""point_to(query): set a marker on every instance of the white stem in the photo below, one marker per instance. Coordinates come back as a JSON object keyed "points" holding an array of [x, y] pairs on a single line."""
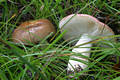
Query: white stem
{"points": [[75, 64]]}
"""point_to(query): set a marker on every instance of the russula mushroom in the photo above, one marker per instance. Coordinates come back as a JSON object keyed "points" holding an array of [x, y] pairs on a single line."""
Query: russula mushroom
{"points": [[32, 31], [82, 26]]}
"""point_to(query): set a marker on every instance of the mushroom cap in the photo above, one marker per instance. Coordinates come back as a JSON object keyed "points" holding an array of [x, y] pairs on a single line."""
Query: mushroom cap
{"points": [[78, 24], [32, 31]]}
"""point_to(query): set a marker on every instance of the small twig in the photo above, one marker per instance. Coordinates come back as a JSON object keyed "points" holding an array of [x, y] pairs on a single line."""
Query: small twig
{"points": [[21, 9]]}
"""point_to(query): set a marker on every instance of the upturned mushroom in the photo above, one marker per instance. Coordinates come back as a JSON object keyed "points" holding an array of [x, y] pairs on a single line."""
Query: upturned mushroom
{"points": [[82, 26], [32, 31]]}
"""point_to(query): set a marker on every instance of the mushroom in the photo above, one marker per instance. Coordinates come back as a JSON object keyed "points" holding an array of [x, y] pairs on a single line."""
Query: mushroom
{"points": [[84, 27], [32, 31]]}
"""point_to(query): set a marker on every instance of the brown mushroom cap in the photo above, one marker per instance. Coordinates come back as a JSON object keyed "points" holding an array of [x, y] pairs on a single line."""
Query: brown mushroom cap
{"points": [[33, 31]]}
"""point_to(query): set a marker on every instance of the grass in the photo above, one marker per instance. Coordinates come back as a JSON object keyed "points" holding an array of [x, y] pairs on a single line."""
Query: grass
{"points": [[48, 60]]}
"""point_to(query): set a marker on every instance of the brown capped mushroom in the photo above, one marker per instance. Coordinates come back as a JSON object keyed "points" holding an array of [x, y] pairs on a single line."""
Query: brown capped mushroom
{"points": [[32, 31]]}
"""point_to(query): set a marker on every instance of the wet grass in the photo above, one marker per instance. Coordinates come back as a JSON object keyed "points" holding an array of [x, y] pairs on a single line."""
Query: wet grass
{"points": [[48, 60]]}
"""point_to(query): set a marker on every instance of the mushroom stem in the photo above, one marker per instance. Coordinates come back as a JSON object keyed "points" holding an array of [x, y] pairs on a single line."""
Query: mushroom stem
{"points": [[83, 49]]}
